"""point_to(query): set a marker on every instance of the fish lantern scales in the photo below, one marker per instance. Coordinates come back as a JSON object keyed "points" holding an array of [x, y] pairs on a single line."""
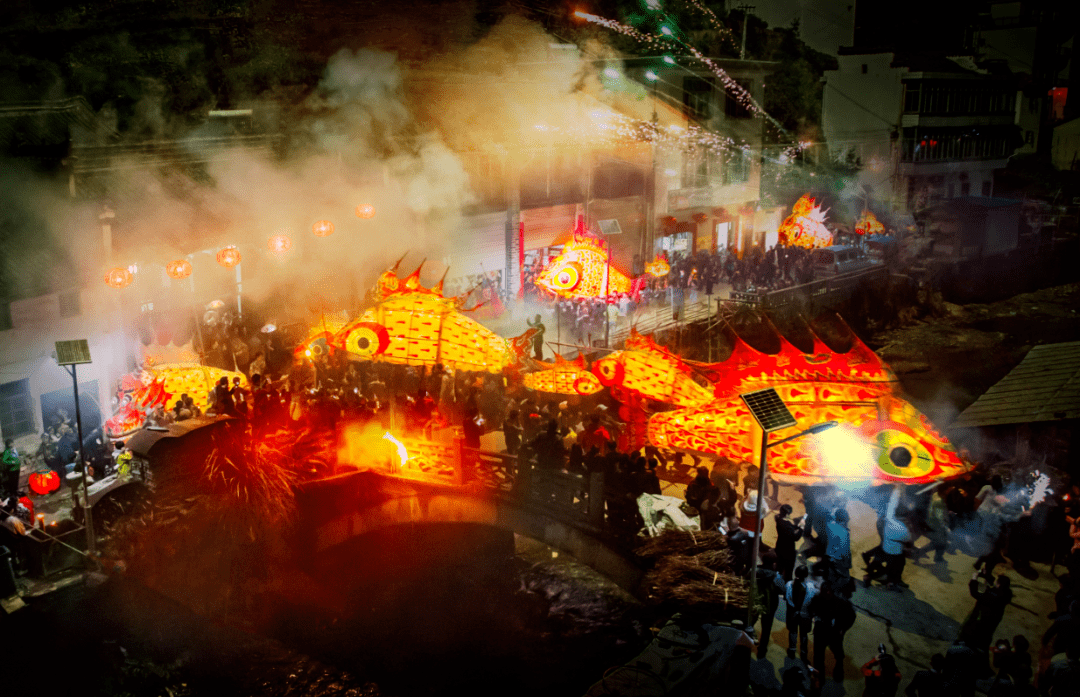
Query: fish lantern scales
{"points": [[228, 256]]}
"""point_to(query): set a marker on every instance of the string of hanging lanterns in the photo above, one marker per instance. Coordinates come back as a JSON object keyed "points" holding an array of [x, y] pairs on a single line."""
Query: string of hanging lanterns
{"points": [[230, 256]]}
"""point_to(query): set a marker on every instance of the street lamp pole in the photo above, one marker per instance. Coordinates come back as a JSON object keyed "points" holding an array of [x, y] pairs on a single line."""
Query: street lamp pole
{"points": [[762, 467]]}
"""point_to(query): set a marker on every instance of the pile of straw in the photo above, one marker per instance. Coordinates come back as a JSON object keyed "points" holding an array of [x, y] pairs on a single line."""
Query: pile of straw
{"points": [[692, 572]]}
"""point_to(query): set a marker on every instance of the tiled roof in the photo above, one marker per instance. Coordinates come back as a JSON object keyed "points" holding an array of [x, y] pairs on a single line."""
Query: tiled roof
{"points": [[1044, 387]]}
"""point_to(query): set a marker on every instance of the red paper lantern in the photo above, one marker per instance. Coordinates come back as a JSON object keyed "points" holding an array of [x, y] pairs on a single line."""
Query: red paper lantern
{"points": [[228, 256], [279, 244], [365, 210], [178, 269], [42, 483], [323, 228], [119, 277]]}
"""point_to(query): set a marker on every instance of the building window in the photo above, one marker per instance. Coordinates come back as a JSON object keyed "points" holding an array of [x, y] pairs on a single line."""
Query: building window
{"points": [[911, 97], [864, 68], [697, 96], [737, 168], [986, 189], [16, 415], [965, 188]]}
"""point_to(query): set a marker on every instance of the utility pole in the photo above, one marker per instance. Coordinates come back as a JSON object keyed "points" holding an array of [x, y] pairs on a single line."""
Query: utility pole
{"points": [[746, 10]]}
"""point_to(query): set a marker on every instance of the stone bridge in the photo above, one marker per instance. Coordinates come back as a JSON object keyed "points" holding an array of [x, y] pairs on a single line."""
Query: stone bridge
{"points": [[455, 485]]}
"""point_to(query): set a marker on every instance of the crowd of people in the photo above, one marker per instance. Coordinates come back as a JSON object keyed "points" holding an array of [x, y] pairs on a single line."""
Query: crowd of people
{"points": [[693, 278], [986, 513]]}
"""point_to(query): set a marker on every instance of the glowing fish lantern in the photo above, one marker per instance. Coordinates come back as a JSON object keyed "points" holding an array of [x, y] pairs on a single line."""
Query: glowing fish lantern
{"points": [[279, 244], [584, 270], [161, 385], [365, 211], [413, 325], [119, 278], [868, 224], [323, 228], [881, 438], [228, 256], [564, 377], [178, 269], [805, 227], [651, 372], [658, 267]]}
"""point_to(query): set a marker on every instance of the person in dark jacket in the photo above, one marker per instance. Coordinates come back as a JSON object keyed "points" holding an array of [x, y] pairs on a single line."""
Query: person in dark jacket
{"points": [[929, 683], [979, 627], [699, 489], [788, 532], [770, 585], [835, 615], [549, 448], [799, 596], [512, 432]]}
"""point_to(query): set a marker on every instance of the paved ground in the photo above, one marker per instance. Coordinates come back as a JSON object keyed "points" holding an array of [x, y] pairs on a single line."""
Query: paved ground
{"points": [[919, 621]]}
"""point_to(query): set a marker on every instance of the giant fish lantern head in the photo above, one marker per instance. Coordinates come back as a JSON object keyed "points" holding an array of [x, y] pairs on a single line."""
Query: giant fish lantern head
{"points": [[413, 325], [882, 441], [580, 271], [658, 267], [805, 227], [564, 377]]}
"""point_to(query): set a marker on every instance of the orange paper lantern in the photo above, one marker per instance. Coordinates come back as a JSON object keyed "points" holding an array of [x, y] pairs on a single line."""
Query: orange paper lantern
{"points": [[119, 278], [279, 244], [228, 256], [324, 228], [180, 268], [365, 210]]}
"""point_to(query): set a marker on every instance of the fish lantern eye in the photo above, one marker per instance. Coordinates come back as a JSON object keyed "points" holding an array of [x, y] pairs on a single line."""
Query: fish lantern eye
{"points": [[900, 457], [567, 277]]}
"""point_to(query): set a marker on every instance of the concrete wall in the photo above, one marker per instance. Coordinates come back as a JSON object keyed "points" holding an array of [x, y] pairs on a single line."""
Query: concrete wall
{"points": [[26, 350]]}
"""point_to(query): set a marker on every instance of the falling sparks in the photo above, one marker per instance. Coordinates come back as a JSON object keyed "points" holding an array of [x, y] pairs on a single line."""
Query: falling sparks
{"points": [[733, 88], [402, 453]]}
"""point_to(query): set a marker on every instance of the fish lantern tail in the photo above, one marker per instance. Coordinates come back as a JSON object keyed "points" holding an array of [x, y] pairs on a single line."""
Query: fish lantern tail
{"points": [[521, 344]]}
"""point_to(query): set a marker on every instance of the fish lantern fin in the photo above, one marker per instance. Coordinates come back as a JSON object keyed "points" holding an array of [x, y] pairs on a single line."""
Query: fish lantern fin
{"points": [[438, 287], [394, 268], [580, 360]]}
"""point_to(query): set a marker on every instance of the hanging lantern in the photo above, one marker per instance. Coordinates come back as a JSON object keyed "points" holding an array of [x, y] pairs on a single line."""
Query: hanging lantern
{"points": [[279, 244], [324, 228], [180, 268], [44, 482], [228, 256], [119, 278], [365, 210]]}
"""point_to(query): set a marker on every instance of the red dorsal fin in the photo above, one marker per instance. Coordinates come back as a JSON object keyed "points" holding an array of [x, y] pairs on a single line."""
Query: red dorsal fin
{"points": [[787, 348], [580, 361]]}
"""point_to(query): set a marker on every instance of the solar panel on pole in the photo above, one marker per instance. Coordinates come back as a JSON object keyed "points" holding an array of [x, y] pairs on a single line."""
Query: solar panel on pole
{"points": [[72, 352], [768, 409]]}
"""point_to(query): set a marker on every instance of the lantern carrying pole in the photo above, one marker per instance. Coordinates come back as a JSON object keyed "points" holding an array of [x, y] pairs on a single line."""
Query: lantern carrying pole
{"points": [[90, 547]]}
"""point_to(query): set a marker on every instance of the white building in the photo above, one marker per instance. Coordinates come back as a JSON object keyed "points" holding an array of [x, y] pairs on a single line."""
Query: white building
{"points": [[924, 128]]}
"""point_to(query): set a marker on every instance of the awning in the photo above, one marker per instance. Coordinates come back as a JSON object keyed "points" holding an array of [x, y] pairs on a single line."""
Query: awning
{"points": [[145, 439]]}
